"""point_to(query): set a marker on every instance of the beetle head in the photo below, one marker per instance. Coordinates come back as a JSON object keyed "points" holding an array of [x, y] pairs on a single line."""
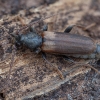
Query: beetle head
{"points": [[30, 40]]}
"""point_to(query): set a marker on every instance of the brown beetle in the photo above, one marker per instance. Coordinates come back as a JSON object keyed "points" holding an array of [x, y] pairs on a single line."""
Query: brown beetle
{"points": [[61, 43]]}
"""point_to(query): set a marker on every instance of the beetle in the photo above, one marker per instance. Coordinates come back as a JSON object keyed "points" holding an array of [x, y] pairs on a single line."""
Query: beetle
{"points": [[61, 43]]}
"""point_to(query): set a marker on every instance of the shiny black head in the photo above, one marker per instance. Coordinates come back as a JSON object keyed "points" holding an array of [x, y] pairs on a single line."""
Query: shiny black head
{"points": [[31, 40]]}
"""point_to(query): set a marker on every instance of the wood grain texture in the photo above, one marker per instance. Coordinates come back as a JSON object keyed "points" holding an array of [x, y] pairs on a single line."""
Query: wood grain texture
{"points": [[31, 75]]}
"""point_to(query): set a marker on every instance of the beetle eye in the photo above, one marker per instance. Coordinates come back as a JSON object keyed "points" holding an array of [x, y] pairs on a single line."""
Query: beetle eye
{"points": [[18, 44]]}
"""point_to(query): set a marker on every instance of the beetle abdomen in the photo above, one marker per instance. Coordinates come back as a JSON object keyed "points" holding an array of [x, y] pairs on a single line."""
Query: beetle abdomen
{"points": [[57, 42]]}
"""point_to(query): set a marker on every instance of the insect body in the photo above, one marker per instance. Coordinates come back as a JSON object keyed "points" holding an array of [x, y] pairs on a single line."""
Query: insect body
{"points": [[60, 43]]}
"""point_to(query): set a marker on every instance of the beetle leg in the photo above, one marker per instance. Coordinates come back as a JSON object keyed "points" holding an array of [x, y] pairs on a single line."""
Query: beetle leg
{"points": [[44, 55], [37, 50], [45, 27], [54, 67], [68, 59], [68, 29]]}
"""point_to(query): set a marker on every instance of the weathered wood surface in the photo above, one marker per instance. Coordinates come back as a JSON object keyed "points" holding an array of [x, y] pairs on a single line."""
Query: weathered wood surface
{"points": [[31, 75]]}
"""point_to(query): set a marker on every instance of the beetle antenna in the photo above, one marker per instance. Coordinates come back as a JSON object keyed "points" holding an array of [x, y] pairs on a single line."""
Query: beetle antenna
{"points": [[37, 21], [56, 69]]}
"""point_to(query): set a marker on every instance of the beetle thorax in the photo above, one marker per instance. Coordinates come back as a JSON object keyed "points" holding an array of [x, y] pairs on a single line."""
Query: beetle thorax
{"points": [[31, 40]]}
